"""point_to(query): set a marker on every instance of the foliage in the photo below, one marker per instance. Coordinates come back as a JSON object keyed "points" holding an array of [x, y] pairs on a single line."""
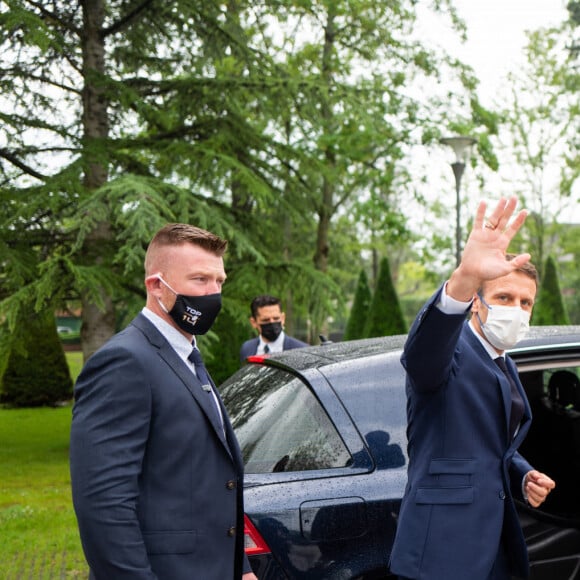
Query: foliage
{"points": [[543, 122], [355, 327], [39, 531], [385, 316], [117, 120], [549, 308], [37, 374]]}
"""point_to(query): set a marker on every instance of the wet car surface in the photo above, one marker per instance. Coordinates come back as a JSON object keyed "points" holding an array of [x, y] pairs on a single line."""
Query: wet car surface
{"points": [[322, 431]]}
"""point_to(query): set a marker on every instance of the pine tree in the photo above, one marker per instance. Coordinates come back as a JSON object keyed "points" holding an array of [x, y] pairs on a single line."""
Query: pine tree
{"points": [[355, 327], [550, 307], [385, 315]]}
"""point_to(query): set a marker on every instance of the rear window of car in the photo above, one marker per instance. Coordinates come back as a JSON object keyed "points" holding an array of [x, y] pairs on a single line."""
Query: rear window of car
{"points": [[280, 424]]}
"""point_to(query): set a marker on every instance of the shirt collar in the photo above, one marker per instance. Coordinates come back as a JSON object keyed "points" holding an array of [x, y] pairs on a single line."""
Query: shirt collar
{"points": [[488, 348], [274, 346], [177, 341]]}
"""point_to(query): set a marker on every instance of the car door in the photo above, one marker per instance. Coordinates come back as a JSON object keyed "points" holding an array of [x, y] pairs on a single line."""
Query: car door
{"points": [[550, 375]]}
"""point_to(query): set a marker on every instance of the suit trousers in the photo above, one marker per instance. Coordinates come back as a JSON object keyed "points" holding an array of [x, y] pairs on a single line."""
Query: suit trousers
{"points": [[499, 570]]}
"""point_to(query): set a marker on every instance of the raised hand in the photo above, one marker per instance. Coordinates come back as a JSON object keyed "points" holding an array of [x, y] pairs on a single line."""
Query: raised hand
{"points": [[484, 253]]}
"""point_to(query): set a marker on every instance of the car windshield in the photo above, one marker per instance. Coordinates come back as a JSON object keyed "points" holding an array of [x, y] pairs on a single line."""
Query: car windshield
{"points": [[280, 424]]}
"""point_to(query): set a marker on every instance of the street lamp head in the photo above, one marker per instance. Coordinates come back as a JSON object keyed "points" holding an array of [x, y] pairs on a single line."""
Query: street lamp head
{"points": [[461, 146]]}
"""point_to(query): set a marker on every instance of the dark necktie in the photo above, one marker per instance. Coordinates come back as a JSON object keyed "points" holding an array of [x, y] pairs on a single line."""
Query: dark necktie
{"points": [[201, 372], [517, 408], [266, 349]]}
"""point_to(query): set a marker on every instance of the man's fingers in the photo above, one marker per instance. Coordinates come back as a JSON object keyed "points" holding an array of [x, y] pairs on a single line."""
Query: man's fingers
{"points": [[512, 228], [479, 215], [520, 260]]}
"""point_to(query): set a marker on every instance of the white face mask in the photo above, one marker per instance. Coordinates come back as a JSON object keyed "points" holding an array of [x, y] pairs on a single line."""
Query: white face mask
{"points": [[505, 325]]}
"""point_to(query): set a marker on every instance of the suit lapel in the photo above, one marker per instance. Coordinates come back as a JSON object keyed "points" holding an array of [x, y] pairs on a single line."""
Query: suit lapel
{"points": [[187, 377], [501, 379], [505, 391]]}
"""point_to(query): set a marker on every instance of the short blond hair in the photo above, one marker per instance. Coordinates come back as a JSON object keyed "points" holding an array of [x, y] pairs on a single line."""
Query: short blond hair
{"points": [[177, 234]]}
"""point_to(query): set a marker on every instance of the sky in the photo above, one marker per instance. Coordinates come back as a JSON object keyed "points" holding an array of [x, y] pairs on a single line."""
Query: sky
{"points": [[496, 31], [496, 34]]}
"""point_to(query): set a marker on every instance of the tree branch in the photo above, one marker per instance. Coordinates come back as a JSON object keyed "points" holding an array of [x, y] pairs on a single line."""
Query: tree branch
{"points": [[119, 25], [5, 154]]}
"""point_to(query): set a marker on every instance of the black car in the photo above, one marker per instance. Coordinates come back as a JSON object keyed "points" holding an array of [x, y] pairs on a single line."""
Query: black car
{"points": [[322, 431]]}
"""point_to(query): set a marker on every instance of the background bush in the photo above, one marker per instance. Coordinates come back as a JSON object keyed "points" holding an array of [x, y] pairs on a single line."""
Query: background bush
{"points": [[37, 373]]}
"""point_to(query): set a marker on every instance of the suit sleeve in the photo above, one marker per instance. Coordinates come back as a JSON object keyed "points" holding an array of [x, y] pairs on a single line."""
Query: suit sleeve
{"points": [[428, 353], [518, 469], [111, 418]]}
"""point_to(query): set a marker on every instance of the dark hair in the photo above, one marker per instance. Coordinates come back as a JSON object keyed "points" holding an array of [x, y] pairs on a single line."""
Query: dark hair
{"points": [[528, 269], [263, 300], [177, 234]]}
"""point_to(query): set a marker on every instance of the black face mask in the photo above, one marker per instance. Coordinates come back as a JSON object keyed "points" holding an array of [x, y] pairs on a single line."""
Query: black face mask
{"points": [[194, 314], [271, 330]]}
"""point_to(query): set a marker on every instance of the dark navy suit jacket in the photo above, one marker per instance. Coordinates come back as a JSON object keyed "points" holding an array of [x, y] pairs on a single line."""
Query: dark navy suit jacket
{"points": [[251, 346], [157, 486], [464, 468]]}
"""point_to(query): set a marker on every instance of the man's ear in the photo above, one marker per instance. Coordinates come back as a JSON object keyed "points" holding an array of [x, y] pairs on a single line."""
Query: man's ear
{"points": [[283, 318], [254, 323], [153, 284], [477, 305]]}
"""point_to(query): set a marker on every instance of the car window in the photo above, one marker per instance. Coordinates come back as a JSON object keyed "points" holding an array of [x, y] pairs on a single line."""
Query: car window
{"points": [[552, 444], [280, 424], [373, 391]]}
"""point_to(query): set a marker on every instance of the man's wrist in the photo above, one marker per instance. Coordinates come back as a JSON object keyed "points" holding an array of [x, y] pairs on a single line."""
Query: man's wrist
{"points": [[462, 286], [449, 305]]}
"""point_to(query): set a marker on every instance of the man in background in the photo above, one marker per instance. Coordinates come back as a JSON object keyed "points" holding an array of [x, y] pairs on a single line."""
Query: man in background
{"points": [[268, 319]]}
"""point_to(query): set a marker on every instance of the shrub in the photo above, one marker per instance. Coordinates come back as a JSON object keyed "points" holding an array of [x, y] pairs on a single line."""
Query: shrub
{"points": [[37, 373], [355, 327], [385, 315], [550, 307]]}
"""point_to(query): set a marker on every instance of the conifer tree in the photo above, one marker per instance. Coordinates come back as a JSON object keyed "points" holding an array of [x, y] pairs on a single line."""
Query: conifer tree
{"points": [[550, 307], [385, 315], [355, 327], [37, 373]]}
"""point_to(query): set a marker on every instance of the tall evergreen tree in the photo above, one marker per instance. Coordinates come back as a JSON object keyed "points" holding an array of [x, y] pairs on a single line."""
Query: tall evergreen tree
{"points": [[549, 308], [355, 327], [385, 315], [115, 123], [121, 116]]}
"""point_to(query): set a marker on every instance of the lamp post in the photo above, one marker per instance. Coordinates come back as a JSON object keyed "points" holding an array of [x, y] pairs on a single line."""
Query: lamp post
{"points": [[462, 147]]}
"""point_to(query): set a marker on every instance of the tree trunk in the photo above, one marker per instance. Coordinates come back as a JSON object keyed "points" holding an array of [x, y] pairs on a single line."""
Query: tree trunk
{"points": [[98, 320], [326, 206]]}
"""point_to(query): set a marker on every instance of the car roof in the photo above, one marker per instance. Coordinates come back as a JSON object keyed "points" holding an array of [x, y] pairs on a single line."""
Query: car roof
{"points": [[331, 352]]}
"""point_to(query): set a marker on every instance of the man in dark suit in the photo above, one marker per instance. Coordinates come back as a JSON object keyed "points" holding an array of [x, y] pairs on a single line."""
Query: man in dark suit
{"points": [[156, 470], [268, 319], [467, 417]]}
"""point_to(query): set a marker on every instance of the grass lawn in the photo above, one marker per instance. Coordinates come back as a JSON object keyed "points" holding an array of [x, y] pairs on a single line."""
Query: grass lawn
{"points": [[75, 362], [37, 524]]}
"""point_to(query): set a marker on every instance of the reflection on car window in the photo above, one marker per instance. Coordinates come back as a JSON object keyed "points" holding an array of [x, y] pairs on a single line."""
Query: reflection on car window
{"points": [[280, 424]]}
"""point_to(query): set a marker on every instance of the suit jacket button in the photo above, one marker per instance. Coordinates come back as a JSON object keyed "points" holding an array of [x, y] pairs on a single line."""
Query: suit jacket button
{"points": [[231, 532], [502, 494], [231, 484]]}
